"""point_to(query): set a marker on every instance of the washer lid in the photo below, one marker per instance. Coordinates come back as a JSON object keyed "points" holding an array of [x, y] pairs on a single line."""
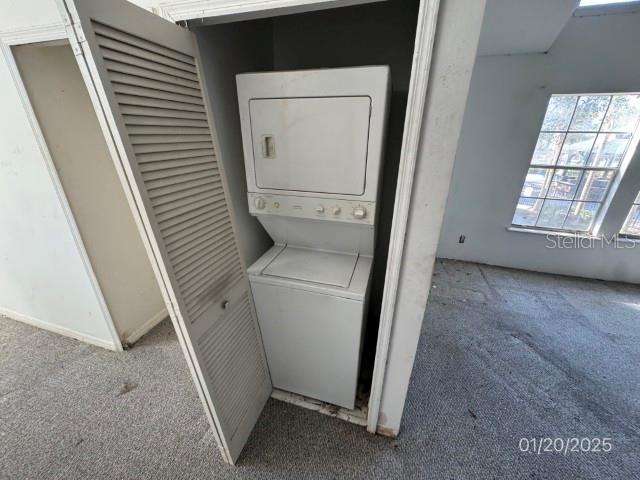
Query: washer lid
{"points": [[311, 144], [327, 268]]}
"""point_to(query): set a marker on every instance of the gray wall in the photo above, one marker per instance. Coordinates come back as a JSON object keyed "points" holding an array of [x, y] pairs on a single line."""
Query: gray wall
{"points": [[68, 122], [504, 112], [227, 50]]}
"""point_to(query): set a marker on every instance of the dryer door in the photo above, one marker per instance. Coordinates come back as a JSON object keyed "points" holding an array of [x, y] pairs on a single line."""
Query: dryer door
{"points": [[142, 73], [312, 144]]}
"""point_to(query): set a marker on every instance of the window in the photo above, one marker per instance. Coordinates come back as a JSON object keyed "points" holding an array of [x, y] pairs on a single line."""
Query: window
{"points": [[631, 226], [582, 143]]}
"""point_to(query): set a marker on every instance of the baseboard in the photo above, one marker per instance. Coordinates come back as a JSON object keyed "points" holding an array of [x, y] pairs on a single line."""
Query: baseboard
{"points": [[134, 336], [67, 332]]}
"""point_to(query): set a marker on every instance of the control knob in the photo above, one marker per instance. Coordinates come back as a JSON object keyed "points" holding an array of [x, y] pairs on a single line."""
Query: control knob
{"points": [[359, 212], [259, 203], [336, 210], [320, 209]]}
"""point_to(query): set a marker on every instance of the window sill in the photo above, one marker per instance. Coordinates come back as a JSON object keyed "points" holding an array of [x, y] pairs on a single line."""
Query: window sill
{"points": [[554, 233]]}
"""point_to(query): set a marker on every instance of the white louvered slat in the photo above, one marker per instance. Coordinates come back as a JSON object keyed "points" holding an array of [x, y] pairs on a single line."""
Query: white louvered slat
{"points": [[112, 33], [126, 99], [183, 184], [149, 65], [134, 120], [144, 53], [163, 147], [175, 156], [161, 112], [164, 132], [151, 81], [162, 94], [134, 72], [159, 139]]}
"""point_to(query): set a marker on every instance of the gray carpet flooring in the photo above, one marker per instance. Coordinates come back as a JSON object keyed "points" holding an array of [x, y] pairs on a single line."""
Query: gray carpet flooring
{"points": [[504, 354]]}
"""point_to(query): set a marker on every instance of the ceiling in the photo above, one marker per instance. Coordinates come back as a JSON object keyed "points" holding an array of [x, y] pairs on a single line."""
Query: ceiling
{"points": [[523, 26]]}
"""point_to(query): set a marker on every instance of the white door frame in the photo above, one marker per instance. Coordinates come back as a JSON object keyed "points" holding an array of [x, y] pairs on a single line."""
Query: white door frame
{"points": [[37, 34], [178, 10]]}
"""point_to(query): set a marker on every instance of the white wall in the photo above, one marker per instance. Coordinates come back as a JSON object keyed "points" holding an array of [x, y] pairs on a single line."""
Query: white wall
{"points": [[75, 141], [454, 52], [42, 276], [503, 115]]}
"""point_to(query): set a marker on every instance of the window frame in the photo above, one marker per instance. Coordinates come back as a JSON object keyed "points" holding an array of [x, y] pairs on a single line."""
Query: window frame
{"points": [[620, 170], [630, 236]]}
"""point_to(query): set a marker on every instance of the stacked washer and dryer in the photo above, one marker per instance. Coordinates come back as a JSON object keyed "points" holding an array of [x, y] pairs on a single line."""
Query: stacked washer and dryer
{"points": [[313, 147]]}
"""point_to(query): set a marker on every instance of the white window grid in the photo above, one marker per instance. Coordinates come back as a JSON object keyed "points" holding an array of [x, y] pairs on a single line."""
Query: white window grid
{"points": [[631, 227], [581, 169]]}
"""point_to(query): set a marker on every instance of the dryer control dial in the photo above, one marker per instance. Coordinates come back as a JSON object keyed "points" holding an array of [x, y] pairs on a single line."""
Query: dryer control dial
{"points": [[320, 209], [259, 203], [359, 212], [336, 210]]}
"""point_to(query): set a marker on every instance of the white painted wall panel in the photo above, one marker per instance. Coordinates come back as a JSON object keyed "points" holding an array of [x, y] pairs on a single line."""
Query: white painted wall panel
{"points": [[42, 275], [454, 52], [504, 112]]}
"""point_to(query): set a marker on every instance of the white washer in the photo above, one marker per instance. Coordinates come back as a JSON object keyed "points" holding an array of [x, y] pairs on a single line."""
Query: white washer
{"points": [[313, 144]]}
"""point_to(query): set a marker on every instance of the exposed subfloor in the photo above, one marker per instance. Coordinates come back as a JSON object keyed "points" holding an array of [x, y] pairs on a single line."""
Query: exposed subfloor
{"points": [[504, 354]]}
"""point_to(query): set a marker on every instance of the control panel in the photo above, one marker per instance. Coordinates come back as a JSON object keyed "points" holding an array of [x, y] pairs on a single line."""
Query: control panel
{"points": [[331, 209]]}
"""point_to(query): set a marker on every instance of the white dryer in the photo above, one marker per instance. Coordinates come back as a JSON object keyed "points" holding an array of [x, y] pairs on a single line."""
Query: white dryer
{"points": [[313, 146]]}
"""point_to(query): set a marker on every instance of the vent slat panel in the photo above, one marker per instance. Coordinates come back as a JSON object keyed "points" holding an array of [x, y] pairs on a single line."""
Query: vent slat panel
{"points": [[189, 255], [181, 184], [166, 130], [168, 147], [177, 162], [160, 100], [134, 120], [185, 193], [161, 112], [178, 250], [144, 54], [208, 167], [154, 83], [112, 33], [196, 225], [175, 156], [126, 89], [153, 66], [176, 224], [207, 232], [135, 100], [134, 72], [147, 139]]}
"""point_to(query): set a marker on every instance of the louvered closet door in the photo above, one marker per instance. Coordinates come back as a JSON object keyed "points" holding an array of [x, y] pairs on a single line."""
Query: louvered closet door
{"points": [[144, 72]]}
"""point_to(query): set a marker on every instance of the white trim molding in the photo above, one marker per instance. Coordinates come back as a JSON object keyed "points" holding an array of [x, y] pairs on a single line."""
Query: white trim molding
{"points": [[52, 327], [131, 338], [36, 33], [423, 50], [225, 10]]}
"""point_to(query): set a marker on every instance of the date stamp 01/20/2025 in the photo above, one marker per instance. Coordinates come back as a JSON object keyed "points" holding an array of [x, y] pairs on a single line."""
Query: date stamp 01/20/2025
{"points": [[565, 446]]}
